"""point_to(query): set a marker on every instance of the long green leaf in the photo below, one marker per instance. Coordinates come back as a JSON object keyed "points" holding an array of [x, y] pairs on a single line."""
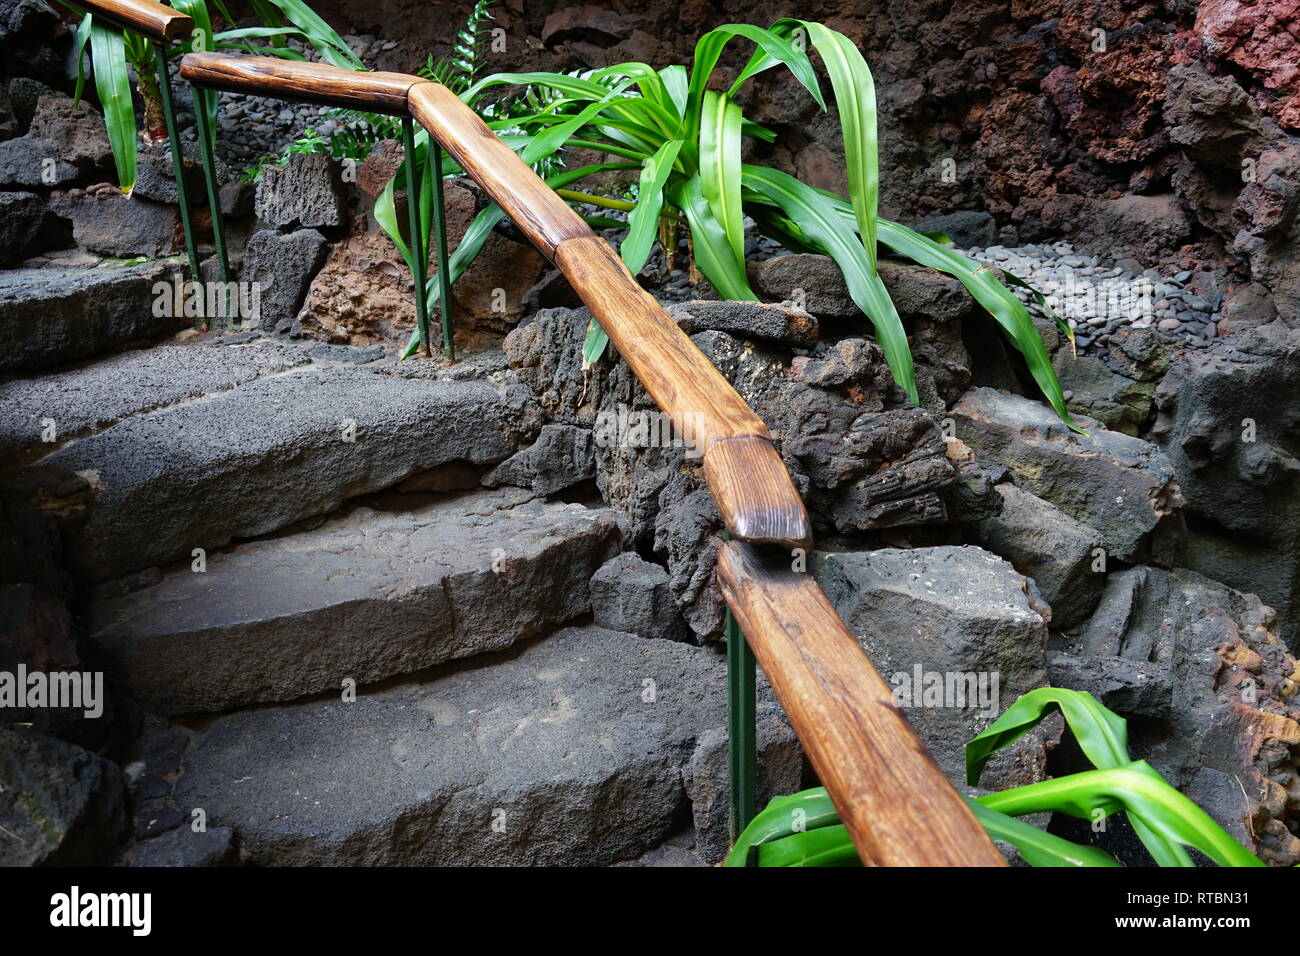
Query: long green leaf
{"points": [[113, 84], [257, 33], [594, 343], [709, 48], [822, 227], [1038, 847], [1102, 736], [677, 86], [545, 143], [999, 301], [83, 37], [720, 167], [714, 253], [1012, 279], [320, 34], [783, 817], [855, 97], [1139, 791], [828, 846], [1101, 733], [643, 221], [386, 218], [269, 14]]}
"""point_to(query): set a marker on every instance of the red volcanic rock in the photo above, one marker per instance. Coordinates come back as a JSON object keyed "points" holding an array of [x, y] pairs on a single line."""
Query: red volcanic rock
{"points": [[1263, 38], [1112, 105], [1012, 168]]}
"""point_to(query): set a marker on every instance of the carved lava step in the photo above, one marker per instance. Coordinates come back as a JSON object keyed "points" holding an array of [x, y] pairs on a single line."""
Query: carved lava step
{"points": [[575, 751], [368, 595], [270, 452], [53, 315]]}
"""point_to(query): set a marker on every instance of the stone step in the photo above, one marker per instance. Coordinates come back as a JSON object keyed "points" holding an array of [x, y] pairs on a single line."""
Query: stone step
{"points": [[53, 315], [256, 458], [40, 413], [368, 595], [585, 748]]}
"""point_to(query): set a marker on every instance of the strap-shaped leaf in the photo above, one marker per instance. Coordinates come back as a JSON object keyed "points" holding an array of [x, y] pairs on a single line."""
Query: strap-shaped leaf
{"points": [[822, 228], [714, 254], [1038, 847], [113, 84], [1139, 791], [785, 816], [1101, 733], [720, 167], [83, 37], [709, 47], [677, 86], [855, 97], [332, 48], [999, 301], [643, 221], [828, 846]]}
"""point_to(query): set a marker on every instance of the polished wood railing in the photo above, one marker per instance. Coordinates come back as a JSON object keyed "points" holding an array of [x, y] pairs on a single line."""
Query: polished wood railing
{"points": [[895, 802], [155, 21]]}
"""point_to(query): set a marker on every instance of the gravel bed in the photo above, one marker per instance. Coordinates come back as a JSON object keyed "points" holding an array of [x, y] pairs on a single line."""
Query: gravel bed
{"points": [[1098, 298]]}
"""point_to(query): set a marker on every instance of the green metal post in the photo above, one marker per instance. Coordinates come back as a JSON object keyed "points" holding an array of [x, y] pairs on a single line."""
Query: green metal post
{"points": [[741, 726], [418, 248], [178, 160], [444, 270], [208, 149]]}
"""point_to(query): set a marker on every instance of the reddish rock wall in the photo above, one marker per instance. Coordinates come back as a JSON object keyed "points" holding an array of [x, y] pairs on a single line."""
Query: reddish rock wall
{"points": [[1047, 109]]}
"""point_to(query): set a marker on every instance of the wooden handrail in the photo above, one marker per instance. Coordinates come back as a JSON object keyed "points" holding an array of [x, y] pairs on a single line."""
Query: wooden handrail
{"points": [[895, 802], [307, 82], [153, 20], [705, 409]]}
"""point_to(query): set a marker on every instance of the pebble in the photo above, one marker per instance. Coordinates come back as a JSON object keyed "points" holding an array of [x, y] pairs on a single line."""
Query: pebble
{"points": [[1169, 325]]}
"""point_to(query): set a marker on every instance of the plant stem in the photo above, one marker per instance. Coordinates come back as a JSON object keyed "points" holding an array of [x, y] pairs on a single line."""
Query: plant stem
{"points": [[593, 200]]}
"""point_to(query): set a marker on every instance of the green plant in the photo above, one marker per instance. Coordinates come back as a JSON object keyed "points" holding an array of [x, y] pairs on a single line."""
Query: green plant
{"points": [[116, 53], [686, 140], [804, 829], [309, 142]]}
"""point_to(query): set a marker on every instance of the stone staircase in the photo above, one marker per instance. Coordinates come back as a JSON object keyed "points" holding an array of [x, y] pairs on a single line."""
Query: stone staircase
{"points": [[342, 647]]}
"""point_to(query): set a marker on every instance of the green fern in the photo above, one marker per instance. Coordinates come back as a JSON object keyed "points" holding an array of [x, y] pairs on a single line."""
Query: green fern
{"points": [[466, 54]]}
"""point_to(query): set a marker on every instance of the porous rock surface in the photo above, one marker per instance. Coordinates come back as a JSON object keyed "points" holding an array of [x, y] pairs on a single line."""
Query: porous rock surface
{"points": [[571, 751], [948, 610], [369, 594], [1121, 486], [59, 804], [273, 451]]}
